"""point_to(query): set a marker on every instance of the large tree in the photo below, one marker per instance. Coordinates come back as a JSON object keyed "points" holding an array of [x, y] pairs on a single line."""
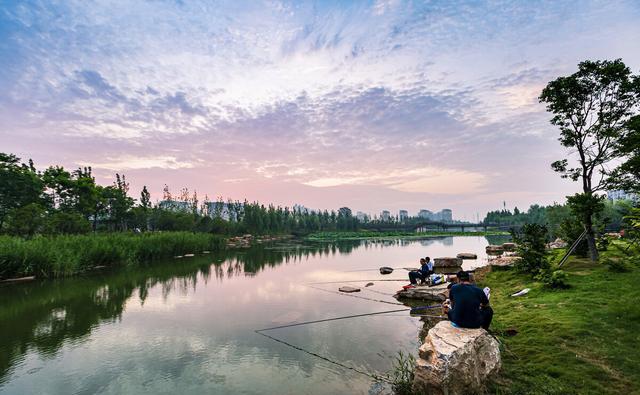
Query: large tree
{"points": [[627, 175], [20, 185], [592, 108]]}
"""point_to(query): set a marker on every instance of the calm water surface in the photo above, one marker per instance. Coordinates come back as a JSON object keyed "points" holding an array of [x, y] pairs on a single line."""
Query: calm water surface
{"points": [[188, 326]]}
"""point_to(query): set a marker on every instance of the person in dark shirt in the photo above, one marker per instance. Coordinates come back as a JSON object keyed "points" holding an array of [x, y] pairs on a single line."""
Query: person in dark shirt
{"points": [[426, 269], [469, 304]]}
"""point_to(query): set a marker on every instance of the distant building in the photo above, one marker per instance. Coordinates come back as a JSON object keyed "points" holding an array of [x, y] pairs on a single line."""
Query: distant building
{"points": [[362, 217], [622, 195], [447, 215], [426, 214], [403, 215], [221, 210], [385, 215], [174, 205]]}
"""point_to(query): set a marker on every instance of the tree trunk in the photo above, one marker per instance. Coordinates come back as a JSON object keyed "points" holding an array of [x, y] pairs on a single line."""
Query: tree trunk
{"points": [[591, 238]]}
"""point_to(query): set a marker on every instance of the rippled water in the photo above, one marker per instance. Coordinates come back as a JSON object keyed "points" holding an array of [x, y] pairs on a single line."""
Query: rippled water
{"points": [[188, 325]]}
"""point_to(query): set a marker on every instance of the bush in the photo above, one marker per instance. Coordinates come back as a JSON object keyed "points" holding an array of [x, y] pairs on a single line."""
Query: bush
{"points": [[402, 373], [63, 223], [618, 265], [26, 221], [602, 243], [531, 241], [570, 229], [553, 278]]}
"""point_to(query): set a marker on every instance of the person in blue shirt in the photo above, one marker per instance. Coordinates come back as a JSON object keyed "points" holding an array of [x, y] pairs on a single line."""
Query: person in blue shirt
{"points": [[469, 304], [426, 269]]}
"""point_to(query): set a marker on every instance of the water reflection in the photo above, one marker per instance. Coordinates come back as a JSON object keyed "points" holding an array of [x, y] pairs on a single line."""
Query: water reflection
{"points": [[41, 318]]}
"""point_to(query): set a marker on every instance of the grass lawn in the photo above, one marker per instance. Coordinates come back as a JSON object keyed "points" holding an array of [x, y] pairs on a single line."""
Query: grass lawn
{"points": [[581, 340]]}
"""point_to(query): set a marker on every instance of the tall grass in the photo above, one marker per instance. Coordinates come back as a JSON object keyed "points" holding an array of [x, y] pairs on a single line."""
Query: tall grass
{"points": [[68, 255]]}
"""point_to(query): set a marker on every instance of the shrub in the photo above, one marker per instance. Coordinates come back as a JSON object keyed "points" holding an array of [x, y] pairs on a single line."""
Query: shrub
{"points": [[553, 278], [63, 223], [402, 373], [617, 265], [531, 248]]}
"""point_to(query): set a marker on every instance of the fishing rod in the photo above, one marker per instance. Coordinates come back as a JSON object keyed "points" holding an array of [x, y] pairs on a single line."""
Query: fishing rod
{"points": [[331, 319], [354, 296]]}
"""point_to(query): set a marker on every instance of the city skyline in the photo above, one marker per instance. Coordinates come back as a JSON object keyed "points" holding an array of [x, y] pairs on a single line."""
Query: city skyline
{"points": [[371, 105]]}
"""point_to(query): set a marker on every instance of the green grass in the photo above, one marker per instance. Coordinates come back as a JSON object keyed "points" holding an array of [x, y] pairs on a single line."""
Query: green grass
{"points": [[63, 256], [365, 234], [581, 340]]}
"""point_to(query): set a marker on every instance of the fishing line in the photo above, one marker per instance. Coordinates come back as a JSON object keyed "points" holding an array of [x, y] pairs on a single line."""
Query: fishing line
{"points": [[363, 372], [359, 281], [355, 296], [332, 319]]}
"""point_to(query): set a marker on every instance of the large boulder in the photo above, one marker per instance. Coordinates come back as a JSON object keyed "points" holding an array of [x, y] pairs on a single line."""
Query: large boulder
{"points": [[504, 261], [510, 247], [456, 361], [447, 262], [436, 293], [494, 250], [467, 255]]}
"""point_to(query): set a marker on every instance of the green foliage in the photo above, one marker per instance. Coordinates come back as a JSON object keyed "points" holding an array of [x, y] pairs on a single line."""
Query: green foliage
{"points": [[553, 278], [26, 220], [402, 373], [627, 175], [570, 229], [20, 185], [592, 108], [618, 265], [67, 223], [531, 240], [61, 256], [571, 341]]}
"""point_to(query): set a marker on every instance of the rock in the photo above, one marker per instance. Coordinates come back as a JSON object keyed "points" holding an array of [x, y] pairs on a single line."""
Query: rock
{"points": [[467, 255], [369, 285], [348, 289], [437, 293], [494, 250], [447, 262], [557, 243], [503, 261], [509, 246], [456, 361], [386, 270]]}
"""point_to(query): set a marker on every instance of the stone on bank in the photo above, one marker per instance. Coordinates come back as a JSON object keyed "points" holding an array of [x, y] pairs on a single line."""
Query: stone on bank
{"points": [[456, 361]]}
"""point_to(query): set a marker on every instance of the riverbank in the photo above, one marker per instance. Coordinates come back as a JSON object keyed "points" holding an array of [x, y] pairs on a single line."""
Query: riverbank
{"points": [[64, 256], [577, 340], [366, 234]]}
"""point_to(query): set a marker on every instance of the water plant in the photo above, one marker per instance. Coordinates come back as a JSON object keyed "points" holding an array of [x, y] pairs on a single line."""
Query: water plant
{"points": [[60, 256]]}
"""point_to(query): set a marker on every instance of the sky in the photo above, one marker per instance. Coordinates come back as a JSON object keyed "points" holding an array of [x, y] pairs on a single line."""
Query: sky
{"points": [[372, 105]]}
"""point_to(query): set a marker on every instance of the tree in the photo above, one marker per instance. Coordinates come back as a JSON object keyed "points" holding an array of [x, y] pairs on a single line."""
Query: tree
{"points": [[592, 108], [627, 175], [20, 185]]}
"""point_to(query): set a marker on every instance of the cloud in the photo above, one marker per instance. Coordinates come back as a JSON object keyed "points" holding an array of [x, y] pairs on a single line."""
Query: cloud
{"points": [[407, 100]]}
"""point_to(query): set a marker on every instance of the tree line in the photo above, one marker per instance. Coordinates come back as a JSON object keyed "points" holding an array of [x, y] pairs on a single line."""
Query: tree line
{"points": [[58, 201]]}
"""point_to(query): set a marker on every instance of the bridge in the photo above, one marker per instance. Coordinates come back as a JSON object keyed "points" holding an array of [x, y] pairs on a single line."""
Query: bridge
{"points": [[443, 226]]}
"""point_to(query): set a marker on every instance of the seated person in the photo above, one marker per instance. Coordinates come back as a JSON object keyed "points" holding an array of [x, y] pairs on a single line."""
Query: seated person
{"points": [[469, 304], [426, 268]]}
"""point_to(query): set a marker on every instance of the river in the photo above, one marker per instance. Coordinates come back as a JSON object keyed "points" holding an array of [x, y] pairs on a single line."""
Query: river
{"points": [[188, 325]]}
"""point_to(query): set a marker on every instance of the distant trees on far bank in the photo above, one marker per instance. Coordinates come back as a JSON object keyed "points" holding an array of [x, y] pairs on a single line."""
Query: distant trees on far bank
{"points": [[58, 201]]}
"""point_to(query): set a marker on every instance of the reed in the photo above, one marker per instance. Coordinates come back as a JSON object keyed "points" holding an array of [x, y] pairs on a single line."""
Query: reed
{"points": [[63, 256]]}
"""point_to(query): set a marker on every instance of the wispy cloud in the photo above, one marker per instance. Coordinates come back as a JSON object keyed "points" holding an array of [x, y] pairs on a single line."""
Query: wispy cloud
{"points": [[416, 99]]}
